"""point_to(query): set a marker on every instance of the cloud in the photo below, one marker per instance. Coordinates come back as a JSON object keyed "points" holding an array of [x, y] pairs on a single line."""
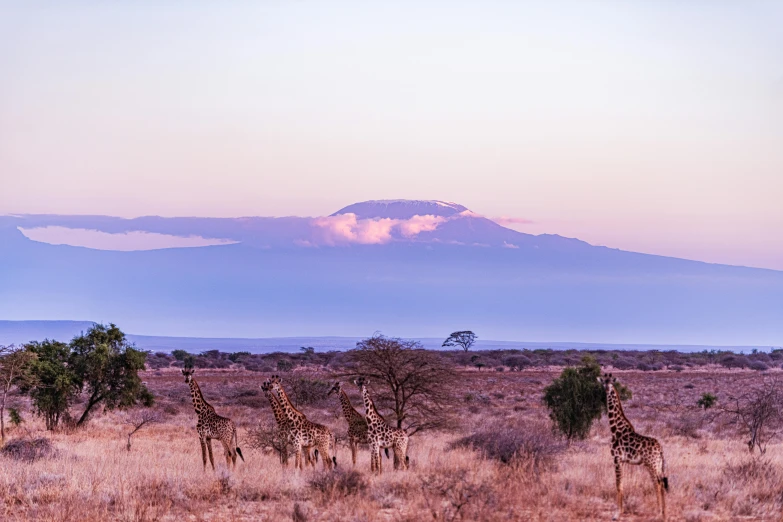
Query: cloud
{"points": [[503, 220], [127, 241], [418, 224], [509, 245], [346, 228]]}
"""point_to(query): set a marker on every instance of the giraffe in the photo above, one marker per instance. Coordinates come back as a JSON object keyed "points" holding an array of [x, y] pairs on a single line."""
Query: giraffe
{"points": [[283, 428], [632, 448], [357, 424], [382, 435], [210, 426], [304, 433]]}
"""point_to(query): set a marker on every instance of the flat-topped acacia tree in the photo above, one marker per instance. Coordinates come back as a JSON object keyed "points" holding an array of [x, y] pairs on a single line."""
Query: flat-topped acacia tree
{"points": [[417, 384], [464, 339]]}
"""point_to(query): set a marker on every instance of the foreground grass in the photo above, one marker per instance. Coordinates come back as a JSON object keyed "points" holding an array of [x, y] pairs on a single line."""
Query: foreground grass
{"points": [[92, 476]]}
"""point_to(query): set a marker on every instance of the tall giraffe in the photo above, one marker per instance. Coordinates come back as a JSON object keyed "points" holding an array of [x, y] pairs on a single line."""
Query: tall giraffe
{"points": [[382, 435], [304, 433], [631, 448], [357, 424], [283, 428], [210, 426]]}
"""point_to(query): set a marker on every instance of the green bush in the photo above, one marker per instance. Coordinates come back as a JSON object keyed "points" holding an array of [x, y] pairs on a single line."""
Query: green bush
{"points": [[707, 401], [576, 399]]}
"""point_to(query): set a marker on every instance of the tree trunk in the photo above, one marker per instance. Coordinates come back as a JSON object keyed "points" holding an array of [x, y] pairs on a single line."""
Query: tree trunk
{"points": [[92, 402], [2, 421]]}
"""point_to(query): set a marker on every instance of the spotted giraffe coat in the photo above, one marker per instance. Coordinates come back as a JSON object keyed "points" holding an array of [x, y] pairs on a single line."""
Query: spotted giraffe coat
{"points": [[304, 433], [283, 426], [210, 426], [357, 424], [628, 447], [382, 435]]}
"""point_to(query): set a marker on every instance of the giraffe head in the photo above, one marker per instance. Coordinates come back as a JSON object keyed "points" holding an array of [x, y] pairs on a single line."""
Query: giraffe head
{"points": [[607, 381], [337, 388], [266, 386], [188, 373], [276, 383], [361, 382]]}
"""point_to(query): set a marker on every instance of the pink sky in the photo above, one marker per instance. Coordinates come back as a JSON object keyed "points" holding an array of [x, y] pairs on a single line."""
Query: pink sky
{"points": [[643, 128]]}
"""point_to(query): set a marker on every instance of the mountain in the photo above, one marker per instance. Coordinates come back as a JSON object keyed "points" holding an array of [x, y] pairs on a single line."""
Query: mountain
{"points": [[20, 332], [383, 266], [401, 209]]}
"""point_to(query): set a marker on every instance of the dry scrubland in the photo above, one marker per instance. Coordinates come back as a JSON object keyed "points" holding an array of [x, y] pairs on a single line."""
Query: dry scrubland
{"points": [[92, 476]]}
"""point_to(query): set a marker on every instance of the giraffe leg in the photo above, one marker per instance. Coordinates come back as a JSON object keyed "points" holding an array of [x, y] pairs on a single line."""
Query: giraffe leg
{"points": [[379, 460], [209, 448], [618, 473], [325, 455], [354, 450], [203, 452], [227, 453], [298, 457], [374, 457], [663, 501]]}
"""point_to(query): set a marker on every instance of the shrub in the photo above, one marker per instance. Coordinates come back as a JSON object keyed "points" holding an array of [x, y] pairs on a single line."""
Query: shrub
{"points": [[624, 363], [575, 399], [734, 361], [179, 355], [306, 391], [338, 483], [15, 417], [758, 366], [29, 450], [530, 445], [236, 356], [459, 494], [707, 401], [517, 361]]}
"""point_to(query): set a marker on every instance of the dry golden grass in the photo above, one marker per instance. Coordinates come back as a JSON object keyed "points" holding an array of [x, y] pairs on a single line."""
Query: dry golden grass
{"points": [[93, 476]]}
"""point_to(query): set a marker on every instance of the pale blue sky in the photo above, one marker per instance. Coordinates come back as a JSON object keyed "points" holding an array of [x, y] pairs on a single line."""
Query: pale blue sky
{"points": [[650, 126]]}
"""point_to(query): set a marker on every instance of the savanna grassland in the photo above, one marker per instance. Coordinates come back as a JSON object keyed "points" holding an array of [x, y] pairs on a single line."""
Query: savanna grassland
{"points": [[89, 474]]}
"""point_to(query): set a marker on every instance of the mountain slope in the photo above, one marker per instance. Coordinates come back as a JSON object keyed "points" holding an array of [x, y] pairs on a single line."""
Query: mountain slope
{"points": [[468, 272]]}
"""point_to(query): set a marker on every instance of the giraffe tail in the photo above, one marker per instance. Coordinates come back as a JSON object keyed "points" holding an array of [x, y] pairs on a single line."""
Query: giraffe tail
{"points": [[664, 479], [239, 452]]}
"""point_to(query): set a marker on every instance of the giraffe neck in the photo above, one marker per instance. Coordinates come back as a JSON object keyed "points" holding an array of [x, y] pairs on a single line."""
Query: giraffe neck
{"points": [[348, 410], [614, 408], [369, 408], [199, 404], [277, 410], [291, 412]]}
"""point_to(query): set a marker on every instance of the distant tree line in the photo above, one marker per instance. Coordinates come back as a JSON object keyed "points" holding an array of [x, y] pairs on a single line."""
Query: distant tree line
{"points": [[495, 360]]}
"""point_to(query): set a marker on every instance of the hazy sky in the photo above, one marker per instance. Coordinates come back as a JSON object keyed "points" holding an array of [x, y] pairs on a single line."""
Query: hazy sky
{"points": [[649, 126]]}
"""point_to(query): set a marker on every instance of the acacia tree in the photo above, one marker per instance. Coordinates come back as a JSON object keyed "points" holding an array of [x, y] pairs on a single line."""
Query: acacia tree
{"points": [[107, 367], [415, 383], [14, 370], [100, 363], [465, 339], [53, 384]]}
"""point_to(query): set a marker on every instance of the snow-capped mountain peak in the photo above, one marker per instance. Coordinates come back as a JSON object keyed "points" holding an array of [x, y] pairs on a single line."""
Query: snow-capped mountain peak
{"points": [[401, 208]]}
